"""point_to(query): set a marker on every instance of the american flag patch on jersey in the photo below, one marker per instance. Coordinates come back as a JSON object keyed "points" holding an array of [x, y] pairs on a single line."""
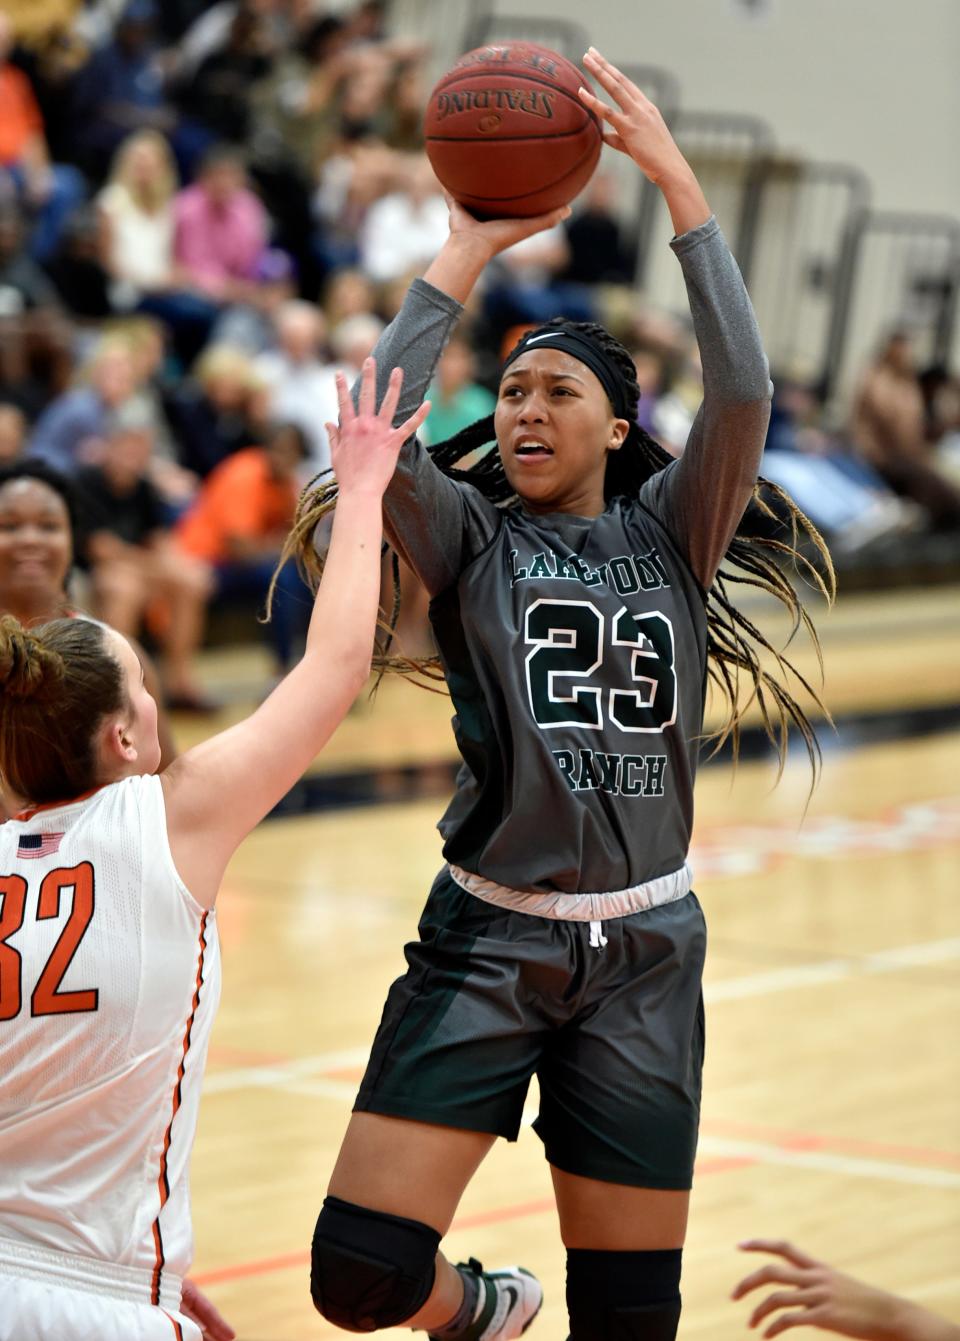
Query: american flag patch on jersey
{"points": [[38, 844]]}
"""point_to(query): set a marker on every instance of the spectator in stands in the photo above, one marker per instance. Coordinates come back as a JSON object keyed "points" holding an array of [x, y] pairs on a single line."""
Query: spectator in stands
{"points": [[72, 429], [351, 341], [24, 286], [357, 171], [209, 30], [136, 213], [220, 246], [136, 216], [77, 272], [121, 89], [34, 340], [295, 106], [13, 433], [348, 293], [49, 191], [888, 430], [38, 529], [525, 286], [220, 230], [844, 498], [302, 392], [237, 528], [210, 413], [456, 398], [133, 564], [217, 93], [600, 252], [403, 229]]}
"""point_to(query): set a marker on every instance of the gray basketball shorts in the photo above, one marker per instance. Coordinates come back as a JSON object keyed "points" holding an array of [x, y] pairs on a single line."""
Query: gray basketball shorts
{"points": [[614, 1034]]}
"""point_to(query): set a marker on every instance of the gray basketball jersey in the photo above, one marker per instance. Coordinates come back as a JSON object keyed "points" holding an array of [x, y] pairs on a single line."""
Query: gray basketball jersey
{"points": [[575, 653], [575, 649]]}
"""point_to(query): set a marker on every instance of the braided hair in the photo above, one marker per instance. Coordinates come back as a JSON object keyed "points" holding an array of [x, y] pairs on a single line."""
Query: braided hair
{"points": [[772, 530]]}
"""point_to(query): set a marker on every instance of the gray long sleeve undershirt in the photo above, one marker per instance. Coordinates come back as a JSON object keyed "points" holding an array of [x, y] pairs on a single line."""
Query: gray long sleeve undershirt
{"points": [[437, 524]]}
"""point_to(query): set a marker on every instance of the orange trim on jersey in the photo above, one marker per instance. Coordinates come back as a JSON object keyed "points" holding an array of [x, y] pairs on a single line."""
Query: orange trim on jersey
{"points": [[30, 811], [162, 1185]]}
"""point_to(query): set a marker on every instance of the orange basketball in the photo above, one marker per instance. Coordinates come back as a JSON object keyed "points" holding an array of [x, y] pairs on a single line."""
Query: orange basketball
{"points": [[507, 134]]}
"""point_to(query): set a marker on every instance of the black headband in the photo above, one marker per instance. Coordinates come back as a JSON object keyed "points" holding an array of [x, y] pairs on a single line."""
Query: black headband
{"points": [[581, 348]]}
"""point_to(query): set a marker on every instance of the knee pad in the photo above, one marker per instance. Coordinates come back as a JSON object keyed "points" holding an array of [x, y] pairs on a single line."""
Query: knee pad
{"points": [[370, 1270], [630, 1296]]}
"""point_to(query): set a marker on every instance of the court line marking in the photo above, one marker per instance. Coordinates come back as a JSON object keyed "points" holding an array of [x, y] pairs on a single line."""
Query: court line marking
{"points": [[724, 1156], [300, 1075], [771, 981], [824, 1161]]}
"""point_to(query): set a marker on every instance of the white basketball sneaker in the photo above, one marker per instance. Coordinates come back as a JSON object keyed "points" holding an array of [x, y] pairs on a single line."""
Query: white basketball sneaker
{"points": [[508, 1300]]}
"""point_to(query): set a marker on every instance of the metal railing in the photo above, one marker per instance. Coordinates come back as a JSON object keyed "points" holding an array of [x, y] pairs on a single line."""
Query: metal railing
{"points": [[899, 270]]}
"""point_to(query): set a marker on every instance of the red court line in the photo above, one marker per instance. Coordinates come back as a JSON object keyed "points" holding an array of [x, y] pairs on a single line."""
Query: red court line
{"points": [[805, 1140], [522, 1209]]}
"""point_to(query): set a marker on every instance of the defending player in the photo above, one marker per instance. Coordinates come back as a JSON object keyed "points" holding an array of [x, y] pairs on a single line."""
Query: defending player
{"points": [[578, 612], [109, 962]]}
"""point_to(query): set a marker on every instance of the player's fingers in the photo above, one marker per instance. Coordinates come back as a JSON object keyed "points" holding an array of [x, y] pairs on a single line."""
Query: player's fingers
{"points": [[367, 404], [391, 397], [344, 399], [333, 435], [786, 1320], [616, 141], [780, 1299], [410, 426], [782, 1248], [613, 80], [774, 1273], [597, 105]]}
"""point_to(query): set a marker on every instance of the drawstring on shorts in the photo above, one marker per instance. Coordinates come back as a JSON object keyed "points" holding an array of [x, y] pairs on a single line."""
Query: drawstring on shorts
{"points": [[597, 939]]}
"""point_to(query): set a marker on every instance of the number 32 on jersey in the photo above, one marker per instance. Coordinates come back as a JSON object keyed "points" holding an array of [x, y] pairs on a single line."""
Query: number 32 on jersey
{"points": [[47, 997], [570, 646]]}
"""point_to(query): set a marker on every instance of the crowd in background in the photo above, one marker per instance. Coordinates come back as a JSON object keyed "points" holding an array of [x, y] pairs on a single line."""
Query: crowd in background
{"points": [[207, 209]]}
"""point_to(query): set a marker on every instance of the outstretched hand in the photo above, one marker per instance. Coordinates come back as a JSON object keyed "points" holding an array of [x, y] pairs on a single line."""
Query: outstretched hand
{"points": [[365, 445], [637, 129], [636, 125], [824, 1298]]}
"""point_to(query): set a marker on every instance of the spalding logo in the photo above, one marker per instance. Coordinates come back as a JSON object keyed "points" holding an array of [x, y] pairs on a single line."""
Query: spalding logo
{"points": [[536, 102]]}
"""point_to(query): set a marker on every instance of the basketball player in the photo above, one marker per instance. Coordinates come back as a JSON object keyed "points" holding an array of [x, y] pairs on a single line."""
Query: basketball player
{"points": [[576, 606], [109, 962]]}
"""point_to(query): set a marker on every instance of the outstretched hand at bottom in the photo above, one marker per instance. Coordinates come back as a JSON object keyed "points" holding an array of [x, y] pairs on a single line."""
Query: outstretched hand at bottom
{"points": [[826, 1299], [365, 445]]}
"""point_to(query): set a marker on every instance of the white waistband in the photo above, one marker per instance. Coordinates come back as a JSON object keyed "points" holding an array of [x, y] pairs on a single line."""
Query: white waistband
{"points": [[89, 1274], [579, 907]]}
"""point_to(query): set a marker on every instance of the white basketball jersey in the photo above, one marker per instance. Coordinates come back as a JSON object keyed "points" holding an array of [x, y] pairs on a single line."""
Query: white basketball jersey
{"points": [[109, 983]]}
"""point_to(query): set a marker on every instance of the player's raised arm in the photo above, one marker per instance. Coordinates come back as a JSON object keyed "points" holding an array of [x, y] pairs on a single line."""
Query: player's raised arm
{"points": [[218, 791], [726, 442], [426, 517]]}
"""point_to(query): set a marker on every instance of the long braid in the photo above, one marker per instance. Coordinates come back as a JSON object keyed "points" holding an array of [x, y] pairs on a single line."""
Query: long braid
{"points": [[773, 530]]}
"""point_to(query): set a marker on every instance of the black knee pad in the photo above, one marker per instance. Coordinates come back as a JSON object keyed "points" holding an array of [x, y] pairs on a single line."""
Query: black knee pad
{"points": [[623, 1296], [370, 1270]]}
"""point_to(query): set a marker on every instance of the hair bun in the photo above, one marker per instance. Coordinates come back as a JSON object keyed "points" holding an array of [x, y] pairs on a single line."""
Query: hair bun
{"points": [[28, 669]]}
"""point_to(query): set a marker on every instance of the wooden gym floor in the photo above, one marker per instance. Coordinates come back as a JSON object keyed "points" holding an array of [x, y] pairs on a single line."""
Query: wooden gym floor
{"points": [[832, 1089]]}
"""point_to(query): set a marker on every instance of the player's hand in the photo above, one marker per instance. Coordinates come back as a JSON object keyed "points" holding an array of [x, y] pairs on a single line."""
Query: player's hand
{"points": [[198, 1308], [818, 1296], [636, 126], [495, 235], [365, 445]]}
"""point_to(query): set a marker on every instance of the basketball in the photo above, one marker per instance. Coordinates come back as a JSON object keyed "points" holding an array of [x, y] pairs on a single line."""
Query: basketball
{"points": [[506, 133]]}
